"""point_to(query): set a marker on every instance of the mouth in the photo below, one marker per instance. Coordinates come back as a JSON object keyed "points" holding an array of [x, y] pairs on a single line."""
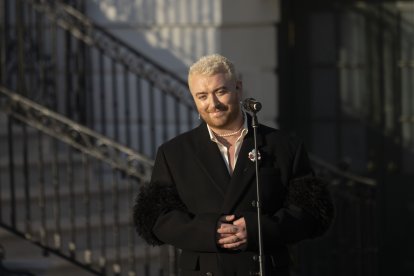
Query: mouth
{"points": [[217, 113]]}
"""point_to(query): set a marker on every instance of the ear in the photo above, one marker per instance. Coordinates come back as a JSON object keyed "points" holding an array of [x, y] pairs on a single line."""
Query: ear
{"points": [[239, 88]]}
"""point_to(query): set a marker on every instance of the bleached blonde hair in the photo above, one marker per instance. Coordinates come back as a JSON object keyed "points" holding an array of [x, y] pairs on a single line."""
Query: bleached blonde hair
{"points": [[213, 64]]}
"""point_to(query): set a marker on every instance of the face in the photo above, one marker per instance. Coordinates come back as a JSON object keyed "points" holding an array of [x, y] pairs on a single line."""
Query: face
{"points": [[217, 99]]}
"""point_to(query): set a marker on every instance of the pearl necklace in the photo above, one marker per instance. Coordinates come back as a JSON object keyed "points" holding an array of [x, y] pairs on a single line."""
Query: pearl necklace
{"points": [[229, 134]]}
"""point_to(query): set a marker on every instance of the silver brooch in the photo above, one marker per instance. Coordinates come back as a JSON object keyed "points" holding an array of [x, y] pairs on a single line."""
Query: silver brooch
{"points": [[252, 155]]}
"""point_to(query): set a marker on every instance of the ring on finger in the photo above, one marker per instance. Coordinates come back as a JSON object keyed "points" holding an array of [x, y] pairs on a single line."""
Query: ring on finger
{"points": [[236, 239]]}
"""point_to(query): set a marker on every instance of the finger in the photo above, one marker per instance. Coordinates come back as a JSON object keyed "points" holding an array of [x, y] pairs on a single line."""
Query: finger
{"points": [[234, 246], [239, 222], [230, 240], [227, 229], [227, 218], [225, 225], [222, 236], [226, 240]]}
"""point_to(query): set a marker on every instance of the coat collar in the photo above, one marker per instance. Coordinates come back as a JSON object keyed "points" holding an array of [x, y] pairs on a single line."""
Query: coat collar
{"points": [[210, 159], [212, 163]]}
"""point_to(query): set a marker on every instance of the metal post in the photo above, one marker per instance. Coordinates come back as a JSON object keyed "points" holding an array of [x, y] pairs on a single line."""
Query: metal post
{"points": [[255, 125]]}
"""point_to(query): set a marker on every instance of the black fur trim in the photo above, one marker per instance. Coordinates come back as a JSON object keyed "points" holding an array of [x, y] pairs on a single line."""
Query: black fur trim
{"points": [[152, 201], [311, 194]]}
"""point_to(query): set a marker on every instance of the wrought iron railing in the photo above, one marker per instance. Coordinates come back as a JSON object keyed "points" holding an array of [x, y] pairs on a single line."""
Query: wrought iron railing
{"points": [[70, 190], [100, 177], [350, 247], [84, 72]]}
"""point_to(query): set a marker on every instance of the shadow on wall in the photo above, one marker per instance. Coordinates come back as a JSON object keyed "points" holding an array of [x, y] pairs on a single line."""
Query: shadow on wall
{"points": [[173, 32]]}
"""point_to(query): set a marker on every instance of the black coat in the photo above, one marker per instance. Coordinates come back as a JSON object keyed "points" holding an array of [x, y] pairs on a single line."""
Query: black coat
{"points": [[191, 188]]}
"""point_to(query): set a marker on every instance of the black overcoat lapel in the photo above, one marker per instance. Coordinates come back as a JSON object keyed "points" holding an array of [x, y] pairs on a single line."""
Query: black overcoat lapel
{"points": [[209, 158], [244, 172]]}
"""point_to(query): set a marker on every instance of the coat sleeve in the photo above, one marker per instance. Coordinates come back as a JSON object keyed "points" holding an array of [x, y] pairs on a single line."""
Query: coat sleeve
{"points": [[161, 217], [307, 211]]}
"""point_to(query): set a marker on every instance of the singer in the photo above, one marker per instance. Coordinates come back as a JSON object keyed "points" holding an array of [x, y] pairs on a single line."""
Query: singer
{"points": [[202, 191]]}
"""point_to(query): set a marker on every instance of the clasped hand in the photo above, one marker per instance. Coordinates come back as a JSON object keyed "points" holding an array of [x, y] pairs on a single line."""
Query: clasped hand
{"points": [[231, 232]]}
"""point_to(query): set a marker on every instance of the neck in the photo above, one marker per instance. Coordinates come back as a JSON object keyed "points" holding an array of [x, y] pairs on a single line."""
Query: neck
{"points": [[228, 134], [231, 131]]}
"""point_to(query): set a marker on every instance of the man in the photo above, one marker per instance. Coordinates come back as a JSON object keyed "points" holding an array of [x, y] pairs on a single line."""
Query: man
{"points": [[202, 191]]}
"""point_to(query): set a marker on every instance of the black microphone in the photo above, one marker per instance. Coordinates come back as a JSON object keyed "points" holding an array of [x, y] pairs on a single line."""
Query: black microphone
{"points": [[251, 105]]}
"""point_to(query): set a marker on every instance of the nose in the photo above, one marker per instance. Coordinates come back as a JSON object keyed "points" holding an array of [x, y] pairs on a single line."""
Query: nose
{"points": [[214, 101]]}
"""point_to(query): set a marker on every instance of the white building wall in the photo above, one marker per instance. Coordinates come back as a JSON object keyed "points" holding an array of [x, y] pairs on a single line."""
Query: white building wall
{"points": [[248, 37], [175, 33]]}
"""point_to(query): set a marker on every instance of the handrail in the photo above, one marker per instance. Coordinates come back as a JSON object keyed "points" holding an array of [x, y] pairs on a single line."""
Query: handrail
{"points": [[348, 175], [76, 135], [91, 143], [102, 147], [92, 34], [82, 193]]}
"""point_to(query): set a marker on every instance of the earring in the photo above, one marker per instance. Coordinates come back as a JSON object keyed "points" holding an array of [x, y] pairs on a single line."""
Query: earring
{"points": [[199, 116]]}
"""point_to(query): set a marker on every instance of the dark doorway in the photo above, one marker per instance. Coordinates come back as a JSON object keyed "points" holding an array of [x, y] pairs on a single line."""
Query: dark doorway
{"points": [[347, 88]]}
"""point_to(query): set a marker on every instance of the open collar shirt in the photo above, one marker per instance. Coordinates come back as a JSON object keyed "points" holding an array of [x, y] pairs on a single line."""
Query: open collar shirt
{"points": [[224, 150]]}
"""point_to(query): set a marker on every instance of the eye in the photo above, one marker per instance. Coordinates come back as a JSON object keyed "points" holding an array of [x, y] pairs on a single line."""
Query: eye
{"points": [[202, 97], [221, 92]]}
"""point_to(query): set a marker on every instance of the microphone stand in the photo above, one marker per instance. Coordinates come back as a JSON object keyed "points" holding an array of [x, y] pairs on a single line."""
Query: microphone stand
{"points": [[255, 125]]}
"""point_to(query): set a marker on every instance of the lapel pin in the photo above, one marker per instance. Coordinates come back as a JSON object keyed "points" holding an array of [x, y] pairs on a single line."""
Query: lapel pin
{"points": [[252, 155]]}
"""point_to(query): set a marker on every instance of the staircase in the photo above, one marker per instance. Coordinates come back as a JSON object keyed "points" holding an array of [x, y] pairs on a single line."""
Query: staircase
{"points": [[66, 186], [81, 115], [65, 189]]}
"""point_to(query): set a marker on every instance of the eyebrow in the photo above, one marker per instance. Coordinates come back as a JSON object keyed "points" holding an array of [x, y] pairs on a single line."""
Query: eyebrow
{"points": [[215, 90]]}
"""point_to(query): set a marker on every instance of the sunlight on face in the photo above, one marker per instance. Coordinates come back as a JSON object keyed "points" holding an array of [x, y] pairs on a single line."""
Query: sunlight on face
{"points": [[217, 99]]}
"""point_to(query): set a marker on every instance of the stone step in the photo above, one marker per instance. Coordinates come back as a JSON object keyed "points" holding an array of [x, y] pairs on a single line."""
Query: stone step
{"points": [[21, 253]]}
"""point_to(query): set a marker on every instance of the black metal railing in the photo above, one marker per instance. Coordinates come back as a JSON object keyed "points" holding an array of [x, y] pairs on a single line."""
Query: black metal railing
{"points": [[70, 190], [84, 202], [350, 247], [73, 195], [82, 71]]}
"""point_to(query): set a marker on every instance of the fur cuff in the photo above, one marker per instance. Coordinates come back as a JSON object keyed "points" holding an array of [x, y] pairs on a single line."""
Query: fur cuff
{"points": [[152, 201], [311, 195]]}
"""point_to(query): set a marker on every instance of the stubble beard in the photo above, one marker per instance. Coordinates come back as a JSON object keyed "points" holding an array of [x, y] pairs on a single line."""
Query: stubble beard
{"points": [[223, 122]]}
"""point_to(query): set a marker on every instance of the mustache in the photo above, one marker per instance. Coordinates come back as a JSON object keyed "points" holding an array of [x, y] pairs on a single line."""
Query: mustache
{"points": [[218, 107]]}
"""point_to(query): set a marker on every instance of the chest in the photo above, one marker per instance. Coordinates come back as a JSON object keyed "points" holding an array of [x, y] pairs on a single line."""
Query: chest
{"points": [[205, 191]]}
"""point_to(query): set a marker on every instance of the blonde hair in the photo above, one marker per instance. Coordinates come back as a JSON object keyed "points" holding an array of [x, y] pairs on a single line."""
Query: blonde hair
{"points": [[213, 64]]}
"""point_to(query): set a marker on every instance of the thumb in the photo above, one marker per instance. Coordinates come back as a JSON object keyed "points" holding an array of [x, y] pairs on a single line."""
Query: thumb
{"points": [[229, 218], [239, 222]]}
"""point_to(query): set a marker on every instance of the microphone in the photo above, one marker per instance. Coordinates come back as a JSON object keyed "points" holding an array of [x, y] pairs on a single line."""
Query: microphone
{"points": [[251, 105]]}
